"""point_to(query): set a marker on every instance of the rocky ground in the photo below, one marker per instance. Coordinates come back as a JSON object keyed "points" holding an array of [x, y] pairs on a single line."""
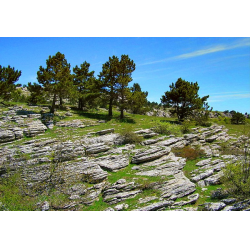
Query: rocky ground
{"points": [[98, 168]]}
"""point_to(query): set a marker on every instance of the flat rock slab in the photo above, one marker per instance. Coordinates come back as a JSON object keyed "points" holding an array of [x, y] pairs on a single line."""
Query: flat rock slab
{"points": [[150, 154], [113, 163], [178, 187], [7, 136], [155, 206], [106, 131], [97, 148], [120, 191]]}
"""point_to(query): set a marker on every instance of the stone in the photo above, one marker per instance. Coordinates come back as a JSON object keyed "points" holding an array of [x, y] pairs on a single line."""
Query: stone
{"points": [[35, 128], [6, 136], [45, 206], [175, 188], [202, 175], [147, 199], [118, 192], [215, 206], [113, 163], [105, 131], [97, 148], [155, 206], [149, 154]]}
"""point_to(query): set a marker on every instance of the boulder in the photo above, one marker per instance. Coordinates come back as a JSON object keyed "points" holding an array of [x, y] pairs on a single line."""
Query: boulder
{"points": [[6, 136], [175, 188], [105, 131], [97, 148], [150, 154], [113, 163], [120, 191], [35, 128], [155, 206]]}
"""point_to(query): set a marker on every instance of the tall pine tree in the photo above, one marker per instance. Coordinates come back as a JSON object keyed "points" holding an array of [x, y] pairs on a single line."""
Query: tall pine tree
{"points": [[83, 81], [115, 76], [56, 78]]}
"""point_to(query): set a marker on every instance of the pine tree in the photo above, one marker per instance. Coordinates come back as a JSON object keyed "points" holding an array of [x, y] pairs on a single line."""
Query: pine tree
{"points": [[137, 99], [108, 78], [56, 78], [126, 67], [84, 82], [8, 77], [114, 78], [183, 98]]}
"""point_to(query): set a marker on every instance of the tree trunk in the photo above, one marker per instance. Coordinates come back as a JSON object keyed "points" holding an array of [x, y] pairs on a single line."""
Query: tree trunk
{"points": [[110, 106], [61, 102], [122, 113], [52, 109]]}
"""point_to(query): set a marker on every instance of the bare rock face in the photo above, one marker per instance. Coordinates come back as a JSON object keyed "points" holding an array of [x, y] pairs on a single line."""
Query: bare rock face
{"points": [[97, 148], [6, 136], [35, 128], [150, 154], [120, 191], [113, 163], [155, 206]]}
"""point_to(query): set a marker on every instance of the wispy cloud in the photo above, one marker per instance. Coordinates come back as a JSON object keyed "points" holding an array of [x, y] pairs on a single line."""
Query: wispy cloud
{"points": [[220, 97], [238, 44]]}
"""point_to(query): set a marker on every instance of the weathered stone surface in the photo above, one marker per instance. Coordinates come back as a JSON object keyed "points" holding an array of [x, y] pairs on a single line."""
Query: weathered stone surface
{"points": [[106, 131], [149, 154], [113, 162], [82, 171], [120, 191], [214, 179], [167, 165], [152, 141], [147, 199], [146, 133], [97, 148], [215, 206], [170, 142], [35, 128], [175, 188], [203, 175], [155, 206], [6, 136]]}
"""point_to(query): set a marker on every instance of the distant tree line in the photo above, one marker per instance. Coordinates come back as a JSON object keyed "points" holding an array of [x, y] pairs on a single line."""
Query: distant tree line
{"points": [[110, 88]]}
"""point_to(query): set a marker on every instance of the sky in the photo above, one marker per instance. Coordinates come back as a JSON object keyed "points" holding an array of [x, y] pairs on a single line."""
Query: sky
{"points": [[220, 65]]}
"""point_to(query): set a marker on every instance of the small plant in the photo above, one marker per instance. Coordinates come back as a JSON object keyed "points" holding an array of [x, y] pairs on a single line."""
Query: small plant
{"points": [[165, 128], [129, 136], [188, 152]]}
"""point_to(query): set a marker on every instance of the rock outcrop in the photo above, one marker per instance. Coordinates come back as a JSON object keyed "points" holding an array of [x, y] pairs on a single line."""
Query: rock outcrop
{"points": [[88, 168]]}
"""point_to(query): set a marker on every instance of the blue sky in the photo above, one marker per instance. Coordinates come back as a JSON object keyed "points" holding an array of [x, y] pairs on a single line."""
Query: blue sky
{"points": [[220, 65]]}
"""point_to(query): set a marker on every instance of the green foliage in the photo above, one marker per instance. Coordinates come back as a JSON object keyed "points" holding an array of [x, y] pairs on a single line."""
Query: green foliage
{"points": [[183, 97], [85, 83], [188, 152], [186, 126], [114, 79], [8, 77], [238, 118], [237, 175], [36, 93], [128, 136], [166, 128], [137, 100], [56, 78]]}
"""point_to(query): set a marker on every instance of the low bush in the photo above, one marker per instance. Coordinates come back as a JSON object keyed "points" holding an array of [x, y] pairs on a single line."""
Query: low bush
{"points": [[128, 136], [165, 128], [188, 152]]}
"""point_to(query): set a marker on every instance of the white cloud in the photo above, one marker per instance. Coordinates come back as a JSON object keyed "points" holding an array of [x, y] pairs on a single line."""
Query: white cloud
{"points": [[228, 96], [240, 43]]}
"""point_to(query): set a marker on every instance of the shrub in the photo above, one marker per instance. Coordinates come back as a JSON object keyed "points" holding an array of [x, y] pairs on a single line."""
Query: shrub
{"points": [[129, 136], [236, 176], [238, 118], [165, 128], [188, 152]]}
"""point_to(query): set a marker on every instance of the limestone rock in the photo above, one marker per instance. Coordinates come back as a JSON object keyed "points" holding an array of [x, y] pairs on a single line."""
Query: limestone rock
{"points": [[113, 162], [120, 191], [6, 136], [155, 206], [105, 131], [150, 154], [35, 128], [178, 187], [97, 148]]}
